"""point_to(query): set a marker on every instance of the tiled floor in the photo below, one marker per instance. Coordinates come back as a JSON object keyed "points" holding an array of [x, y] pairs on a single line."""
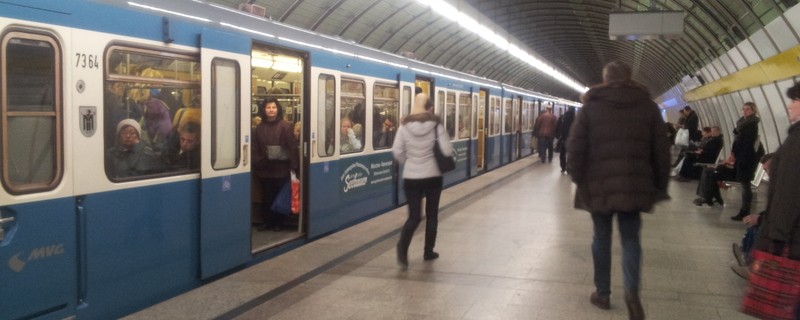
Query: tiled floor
{"points": [[513, 249]]}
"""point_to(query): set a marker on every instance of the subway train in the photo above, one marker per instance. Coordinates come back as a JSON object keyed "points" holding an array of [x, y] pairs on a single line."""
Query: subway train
{"points": [[81, 238]]}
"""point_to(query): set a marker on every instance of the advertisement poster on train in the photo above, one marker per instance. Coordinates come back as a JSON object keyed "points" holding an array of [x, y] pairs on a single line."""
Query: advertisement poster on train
{"points": [[366, 174]]}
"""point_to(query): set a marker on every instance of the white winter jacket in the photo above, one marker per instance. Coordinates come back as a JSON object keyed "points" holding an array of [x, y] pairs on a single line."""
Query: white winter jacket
{"points": [[413, 146]]}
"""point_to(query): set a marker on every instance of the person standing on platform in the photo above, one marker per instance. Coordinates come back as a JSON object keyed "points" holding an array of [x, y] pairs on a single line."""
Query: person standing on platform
{"points": [[692, 123], [745, 153], [620, 170], [562, 133], [545, 130], [413, 149], [779, 227]]}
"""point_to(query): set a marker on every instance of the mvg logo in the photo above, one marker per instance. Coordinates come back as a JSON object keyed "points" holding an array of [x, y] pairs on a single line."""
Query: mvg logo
{"points": [[17, 264]]}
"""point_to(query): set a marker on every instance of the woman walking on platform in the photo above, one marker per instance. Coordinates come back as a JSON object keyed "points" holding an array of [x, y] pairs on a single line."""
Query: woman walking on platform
{"points": [[413, 148]]}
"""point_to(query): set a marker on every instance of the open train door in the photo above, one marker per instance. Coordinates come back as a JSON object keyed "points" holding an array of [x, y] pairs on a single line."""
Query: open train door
{"points": [[225, 165], [483, 101]]}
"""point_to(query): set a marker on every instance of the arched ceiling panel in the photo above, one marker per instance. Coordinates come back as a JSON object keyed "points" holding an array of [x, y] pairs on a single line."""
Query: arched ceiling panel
{"points": [[571, 35]]}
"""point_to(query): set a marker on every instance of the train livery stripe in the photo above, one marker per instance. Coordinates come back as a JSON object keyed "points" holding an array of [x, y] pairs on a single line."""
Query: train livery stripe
{"points": [[224, 41], [778, 67]]}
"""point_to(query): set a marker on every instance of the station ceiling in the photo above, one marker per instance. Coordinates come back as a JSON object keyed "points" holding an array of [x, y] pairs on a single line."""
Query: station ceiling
{"points": [[570, 35]]}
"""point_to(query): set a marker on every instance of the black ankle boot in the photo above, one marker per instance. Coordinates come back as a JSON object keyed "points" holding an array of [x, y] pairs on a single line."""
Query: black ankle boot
{"points": [[430, 255], [739, 216], [402, 257], [635, 310]]}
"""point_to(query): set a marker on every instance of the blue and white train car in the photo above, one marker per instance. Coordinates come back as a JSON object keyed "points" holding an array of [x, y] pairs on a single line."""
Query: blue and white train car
{"points": [[98, 219]]}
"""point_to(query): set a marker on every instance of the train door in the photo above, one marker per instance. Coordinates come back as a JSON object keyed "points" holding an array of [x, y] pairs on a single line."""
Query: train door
{"points": [[424, 85], [483, 99], [517, 128], [278, 75], [225, 158], [38, 273]]}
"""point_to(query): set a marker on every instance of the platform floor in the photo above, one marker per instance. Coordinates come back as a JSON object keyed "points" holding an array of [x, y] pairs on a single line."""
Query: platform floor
{"points": [[512, 247]]}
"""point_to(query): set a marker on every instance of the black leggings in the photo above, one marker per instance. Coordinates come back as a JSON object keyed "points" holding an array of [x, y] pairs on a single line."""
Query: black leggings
{"points": [[416, 189]]}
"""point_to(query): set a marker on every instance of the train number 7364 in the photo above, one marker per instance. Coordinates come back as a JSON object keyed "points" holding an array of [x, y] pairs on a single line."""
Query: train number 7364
{"points": [[90, 61]]}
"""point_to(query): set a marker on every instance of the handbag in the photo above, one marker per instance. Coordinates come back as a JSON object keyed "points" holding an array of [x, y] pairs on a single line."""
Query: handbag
{"points": [[774, 286], [682, 137], [444, 163], [283, 201]]}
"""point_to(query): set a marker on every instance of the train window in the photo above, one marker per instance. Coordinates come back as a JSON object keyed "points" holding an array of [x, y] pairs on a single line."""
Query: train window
{"points": [[450, 115], [326, 115], [475, 116], [464, 115], [507, 108], [495, 116], [31, 136], [225, 113], [351, 131], [439, 103], [491, 116], [407, 97], [515, 113], [385, 108], [151, 113], [525, 107]]}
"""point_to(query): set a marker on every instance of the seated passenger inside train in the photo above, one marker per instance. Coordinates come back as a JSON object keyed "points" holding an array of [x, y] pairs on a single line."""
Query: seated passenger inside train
{"points": [[118, 107], [186, 155], [383, 136], [463, 131], [349, 141], [130, 156]]}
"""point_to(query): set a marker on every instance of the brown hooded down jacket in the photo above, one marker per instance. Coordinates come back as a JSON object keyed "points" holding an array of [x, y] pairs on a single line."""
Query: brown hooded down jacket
{"points": [[617, 152]]}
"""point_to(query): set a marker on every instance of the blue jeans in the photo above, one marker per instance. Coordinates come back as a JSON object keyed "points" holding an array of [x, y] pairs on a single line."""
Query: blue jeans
{"points": [[545, 149], [630, 223]]}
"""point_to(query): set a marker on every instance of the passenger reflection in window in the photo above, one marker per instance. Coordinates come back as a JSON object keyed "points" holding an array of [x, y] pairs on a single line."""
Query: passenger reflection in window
{"points": [[130, 157]]}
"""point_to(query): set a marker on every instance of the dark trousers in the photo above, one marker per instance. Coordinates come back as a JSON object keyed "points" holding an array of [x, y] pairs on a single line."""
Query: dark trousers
{"points": [[270, 187], [415, 190], [545, 149], [630, 223], [708, 188], [562, 159], [688, 169]]}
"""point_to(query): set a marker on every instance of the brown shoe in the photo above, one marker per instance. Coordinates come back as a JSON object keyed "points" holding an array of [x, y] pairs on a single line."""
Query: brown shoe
{"points": [[635, 311], [600, 302]]}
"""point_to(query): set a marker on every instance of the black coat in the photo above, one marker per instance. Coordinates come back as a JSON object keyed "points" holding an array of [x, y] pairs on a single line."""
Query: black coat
{"points": [[617, 152], [692, 124], [745, 150], [711, 150], [782, 219]]}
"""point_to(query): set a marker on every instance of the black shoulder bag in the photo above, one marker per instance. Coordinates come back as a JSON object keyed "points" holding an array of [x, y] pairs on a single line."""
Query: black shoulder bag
{"points": [[444, 163]]}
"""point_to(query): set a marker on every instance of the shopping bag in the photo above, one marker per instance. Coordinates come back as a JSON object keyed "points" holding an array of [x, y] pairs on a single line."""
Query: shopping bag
{"points": [[295, 195], [682, 138], [774, 287], [283, 202]]}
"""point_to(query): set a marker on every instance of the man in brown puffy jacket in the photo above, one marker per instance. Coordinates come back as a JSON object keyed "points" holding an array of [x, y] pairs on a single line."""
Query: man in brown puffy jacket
{"points": [[618, 156], [545, 131]]}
